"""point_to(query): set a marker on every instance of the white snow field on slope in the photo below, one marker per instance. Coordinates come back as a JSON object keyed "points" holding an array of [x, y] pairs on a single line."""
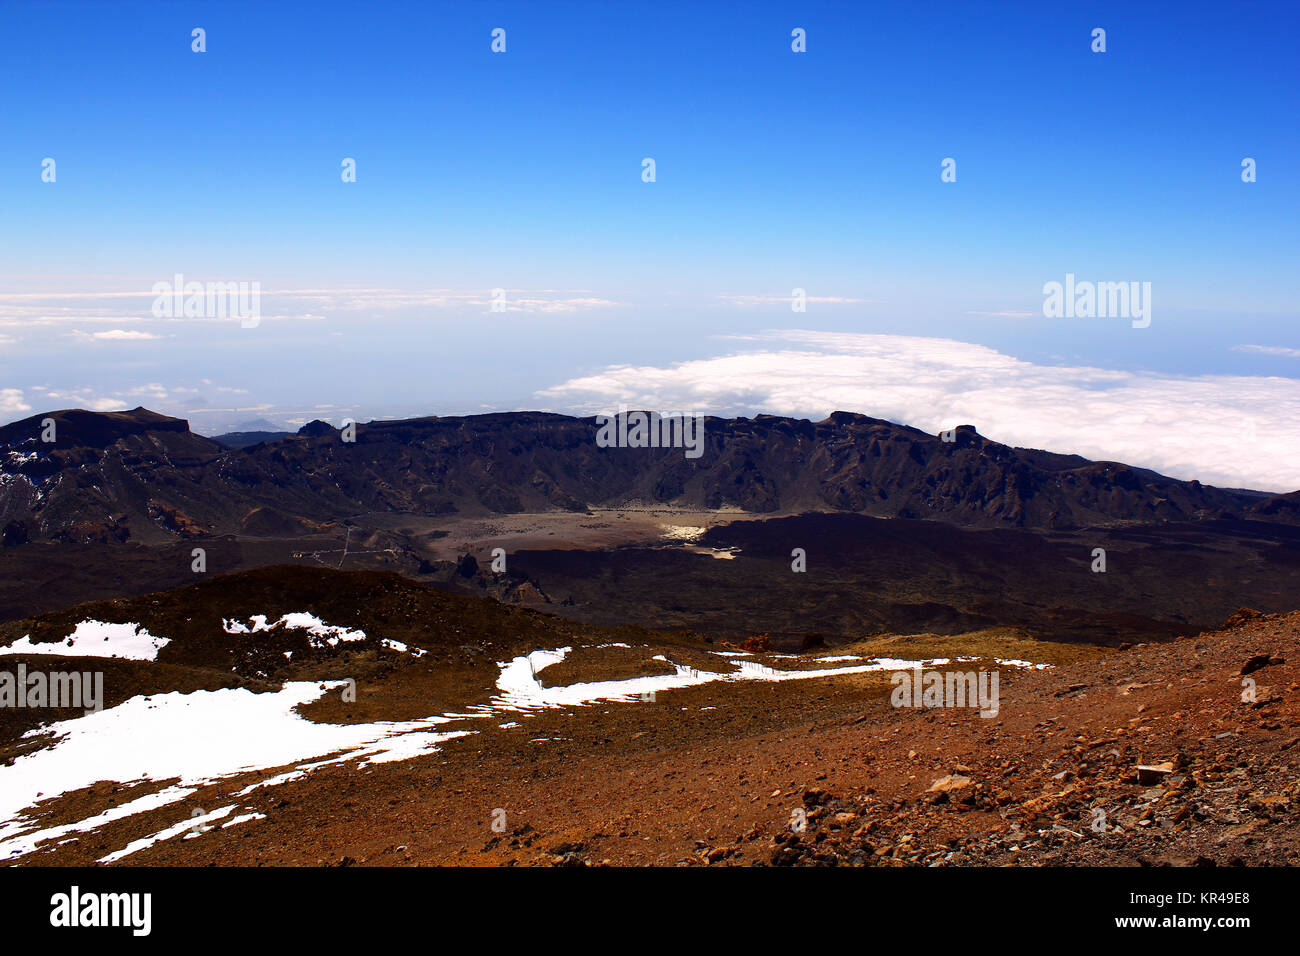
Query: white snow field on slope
{"points": [[199, 738], [195, 739]]}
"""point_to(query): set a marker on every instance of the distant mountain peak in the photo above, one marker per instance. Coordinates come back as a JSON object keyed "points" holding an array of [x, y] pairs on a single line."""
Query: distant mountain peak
{"points": [[317, 429], [81, 428]]}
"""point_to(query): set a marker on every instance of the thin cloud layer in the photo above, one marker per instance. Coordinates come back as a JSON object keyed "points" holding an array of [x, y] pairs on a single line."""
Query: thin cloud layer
{"points": [[1268, 350], [1236, 431], [27, 311], [114, 335]]}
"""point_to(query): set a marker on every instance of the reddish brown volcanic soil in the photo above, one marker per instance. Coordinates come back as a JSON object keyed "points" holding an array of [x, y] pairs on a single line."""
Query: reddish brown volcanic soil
{"points": [[671, 783]]}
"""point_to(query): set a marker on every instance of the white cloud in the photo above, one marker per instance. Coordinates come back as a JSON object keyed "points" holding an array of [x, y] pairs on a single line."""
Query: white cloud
{"points": [[53, 399], [1225, 430], [787, 299], [113, 335], [160, 393], [1268, 350], [12, 405], [32, 311], [151, 394], [537, 304]]}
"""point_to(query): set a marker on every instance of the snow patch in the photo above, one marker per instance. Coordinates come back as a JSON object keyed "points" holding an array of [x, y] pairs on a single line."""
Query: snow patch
{"points": [[521, 691], [199, 738], [97, 639], [322, 634]]}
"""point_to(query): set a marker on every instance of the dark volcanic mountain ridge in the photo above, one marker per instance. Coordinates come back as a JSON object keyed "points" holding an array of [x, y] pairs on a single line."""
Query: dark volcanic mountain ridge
{"points": [[145, 477]]}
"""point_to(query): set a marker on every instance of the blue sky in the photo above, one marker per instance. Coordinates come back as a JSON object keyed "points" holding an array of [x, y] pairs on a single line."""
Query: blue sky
{"points": [[775, 170]]}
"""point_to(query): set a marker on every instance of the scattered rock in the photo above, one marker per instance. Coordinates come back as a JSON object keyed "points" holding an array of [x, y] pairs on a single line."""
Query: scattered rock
{"points": [[1149, 775], [1255, 663]]}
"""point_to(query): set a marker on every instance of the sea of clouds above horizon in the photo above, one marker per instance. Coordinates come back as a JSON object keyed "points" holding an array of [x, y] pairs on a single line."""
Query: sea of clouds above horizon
{"points": [[1227, 430]]}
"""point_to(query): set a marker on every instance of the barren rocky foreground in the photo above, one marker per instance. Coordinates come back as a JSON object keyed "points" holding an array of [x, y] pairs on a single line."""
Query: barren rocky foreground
{"points": [[1144, 755]]}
